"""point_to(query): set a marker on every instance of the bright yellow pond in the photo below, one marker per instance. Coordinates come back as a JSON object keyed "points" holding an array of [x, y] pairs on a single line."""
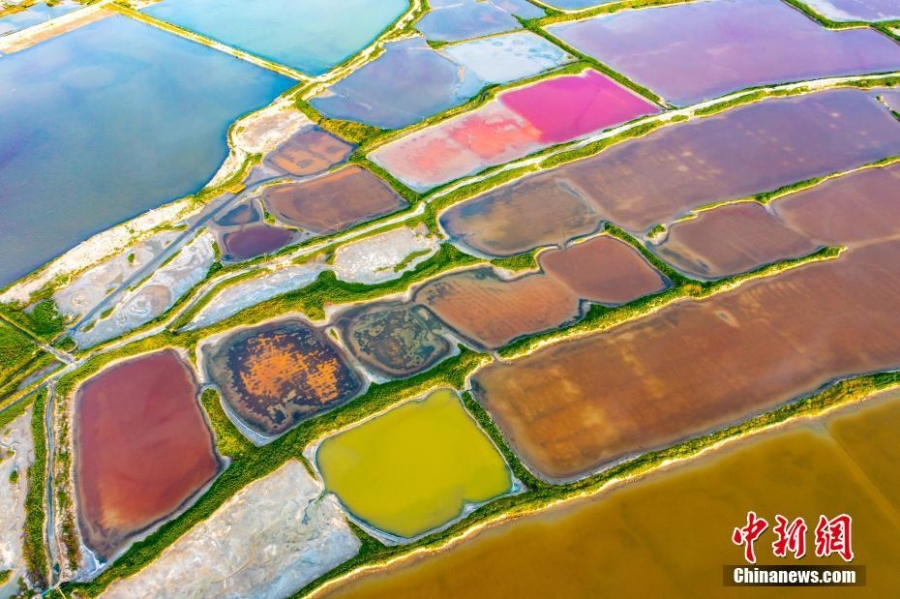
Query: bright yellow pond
{"points": [[414, 468], [669, 534]]}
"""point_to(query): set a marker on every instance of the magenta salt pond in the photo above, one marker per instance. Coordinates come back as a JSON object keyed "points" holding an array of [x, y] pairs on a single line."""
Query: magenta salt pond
{"points": [[702, 50], [517, 123]]}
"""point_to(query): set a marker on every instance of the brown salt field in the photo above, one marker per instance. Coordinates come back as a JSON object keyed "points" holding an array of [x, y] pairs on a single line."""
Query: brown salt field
{"points": [[393, 338], [309, 152], [729, 240], [492, 312], [333, 202], [661, 176], [143, 448], [697, 365], [604, 270], [278, 374], [669, 534], [855, 208], [520, 217]]}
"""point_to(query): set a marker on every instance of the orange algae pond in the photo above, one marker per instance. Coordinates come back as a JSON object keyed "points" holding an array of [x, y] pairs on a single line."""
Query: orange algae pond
{"points": [[142, 448], [697, 365], [415, 468], [278, 374], [669, 533]]}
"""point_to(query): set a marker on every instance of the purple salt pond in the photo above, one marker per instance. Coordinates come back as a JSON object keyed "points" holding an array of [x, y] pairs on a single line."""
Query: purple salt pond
{"points": [[856, 10], [407, 83], [255, 241], [702, 50]]}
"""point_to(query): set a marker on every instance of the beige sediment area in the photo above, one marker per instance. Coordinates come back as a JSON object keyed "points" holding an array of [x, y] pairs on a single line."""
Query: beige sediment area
{"points": [[16, 455], [32, 36], [157, 294], [379, 258], [267, 541]]}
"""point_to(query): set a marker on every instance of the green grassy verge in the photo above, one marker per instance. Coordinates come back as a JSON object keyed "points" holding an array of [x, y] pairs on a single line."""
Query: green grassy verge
{"points": [[33, 546], [16, 351]]}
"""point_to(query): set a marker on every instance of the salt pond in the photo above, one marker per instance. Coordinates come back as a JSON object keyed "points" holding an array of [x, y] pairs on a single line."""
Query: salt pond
{"points": [[465, 19], [160, 105], [519, 121], [407, 83], [856, 10], [415, 468], [504, 58], [311, 36], [661, 47]]}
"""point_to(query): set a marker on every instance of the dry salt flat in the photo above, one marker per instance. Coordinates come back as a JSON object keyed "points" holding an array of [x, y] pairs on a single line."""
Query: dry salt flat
{"points": [[157, 294], [267, 541], [16, 454], [385, 256]]}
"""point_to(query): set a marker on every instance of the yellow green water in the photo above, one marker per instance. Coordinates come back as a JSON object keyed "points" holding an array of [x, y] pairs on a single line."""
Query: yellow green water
{"points": [[668, 534], [414, 468]]}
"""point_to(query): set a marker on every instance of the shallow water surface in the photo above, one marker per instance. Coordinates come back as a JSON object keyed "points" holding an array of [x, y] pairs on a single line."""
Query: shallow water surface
{"points": [[111, 102]]}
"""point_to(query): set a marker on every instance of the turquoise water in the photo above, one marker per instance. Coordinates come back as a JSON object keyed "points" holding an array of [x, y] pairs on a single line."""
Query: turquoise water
{"points": [[311, 36], [106, 122]]}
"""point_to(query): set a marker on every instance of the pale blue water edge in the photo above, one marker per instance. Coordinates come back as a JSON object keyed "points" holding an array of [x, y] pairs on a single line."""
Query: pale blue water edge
{"points": [[106, 122], [35, 15], [311, 36]]}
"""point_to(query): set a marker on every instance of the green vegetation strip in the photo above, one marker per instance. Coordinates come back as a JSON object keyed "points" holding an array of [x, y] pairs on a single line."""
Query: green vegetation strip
{"points": [[602, 318], [249, 465], [34, 548]]}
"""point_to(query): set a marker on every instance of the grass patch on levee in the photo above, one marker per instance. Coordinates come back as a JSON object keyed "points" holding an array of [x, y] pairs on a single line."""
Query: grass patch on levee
{"points": [[252, 464], [33, 546], [16, 351]]}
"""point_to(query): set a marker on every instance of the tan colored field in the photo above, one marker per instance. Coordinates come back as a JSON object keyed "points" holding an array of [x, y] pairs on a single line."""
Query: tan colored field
{"points": [[309, 152], [333, 202], [697, 365], [603, 269], [856, 208], [492, 312], [521, 216], [669, 534], [730, 240]]}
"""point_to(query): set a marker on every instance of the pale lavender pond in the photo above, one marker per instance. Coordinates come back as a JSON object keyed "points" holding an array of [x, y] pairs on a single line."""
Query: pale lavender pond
{"points": [[856, 10], [739, 43], [407, 83], [466, 19]]}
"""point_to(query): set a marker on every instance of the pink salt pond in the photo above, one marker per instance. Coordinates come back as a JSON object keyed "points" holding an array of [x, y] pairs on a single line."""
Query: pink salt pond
{"points": [[517, 123]]}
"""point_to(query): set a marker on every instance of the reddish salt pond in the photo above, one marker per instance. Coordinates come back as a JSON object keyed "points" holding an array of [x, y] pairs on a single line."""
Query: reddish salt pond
{"points": [[604, 270], [700, 50], [492, 312], [517, 123], [520, 217], [255, 241], [143, 448], [857, 208], [729, 240], [333, 202], [659, 177]]}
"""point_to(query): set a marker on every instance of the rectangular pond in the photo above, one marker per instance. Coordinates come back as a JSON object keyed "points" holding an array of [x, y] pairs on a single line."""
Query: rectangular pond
{"points": [[142, 448], [505, 58], [668, 533], [414, 468], [695, 366], [657, 178], [518, 122], [729, 240], [159, 104], [466, 19], [661, 47], [311, 36]]}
